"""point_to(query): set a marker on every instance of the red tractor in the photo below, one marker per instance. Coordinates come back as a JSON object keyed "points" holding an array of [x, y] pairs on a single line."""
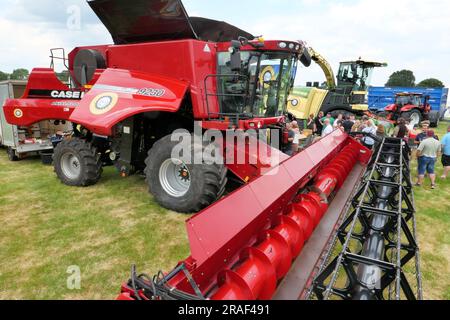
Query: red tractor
{"points": [[165, 71], [413, 107]]}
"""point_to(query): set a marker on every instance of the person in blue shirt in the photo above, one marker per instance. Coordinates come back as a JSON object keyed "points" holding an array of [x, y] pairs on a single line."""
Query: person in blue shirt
{"points": [[446, 153]]}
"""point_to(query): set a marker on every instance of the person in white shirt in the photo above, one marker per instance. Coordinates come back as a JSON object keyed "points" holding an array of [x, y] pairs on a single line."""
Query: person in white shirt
{"points": [[327, 128], [371, 129]]}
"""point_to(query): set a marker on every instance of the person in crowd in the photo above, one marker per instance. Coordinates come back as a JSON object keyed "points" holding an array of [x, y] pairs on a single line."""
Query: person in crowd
{"points": [[289, 148], [338, 122], [327, 127], [356, 126], [423, 135], [329, 117], [388, 126], [427, 153], [401, 131], [381, 131], [348, 124], [296, 142], [310, 125], [319, 124], [371, 129], [446, 154]]}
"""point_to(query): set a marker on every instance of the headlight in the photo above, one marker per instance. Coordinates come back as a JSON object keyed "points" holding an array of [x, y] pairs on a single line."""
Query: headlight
{"points": [[104, 102], [294, 102], [291, 46], [282, 45], [267, 76]]}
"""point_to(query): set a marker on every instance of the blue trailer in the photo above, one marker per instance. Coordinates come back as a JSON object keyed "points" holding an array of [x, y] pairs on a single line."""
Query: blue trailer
{"points": [[381, 97]]}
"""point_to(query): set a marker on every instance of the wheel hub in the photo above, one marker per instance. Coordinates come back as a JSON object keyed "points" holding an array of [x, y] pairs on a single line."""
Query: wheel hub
{"points": [[415, 119], [175, 177], [71, 166]]}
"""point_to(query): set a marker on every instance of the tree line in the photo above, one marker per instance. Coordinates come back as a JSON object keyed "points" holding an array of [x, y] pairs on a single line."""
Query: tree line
{"points": [[406, 78], [23, 74]]}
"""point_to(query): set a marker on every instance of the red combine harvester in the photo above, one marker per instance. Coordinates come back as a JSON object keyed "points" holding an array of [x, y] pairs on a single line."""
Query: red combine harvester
{"points": [[413, 107], [165, 71], [265, 239]]}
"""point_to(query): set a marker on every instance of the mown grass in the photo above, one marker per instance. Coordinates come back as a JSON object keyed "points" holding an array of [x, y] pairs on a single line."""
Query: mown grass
{"points": [[47, 227]]}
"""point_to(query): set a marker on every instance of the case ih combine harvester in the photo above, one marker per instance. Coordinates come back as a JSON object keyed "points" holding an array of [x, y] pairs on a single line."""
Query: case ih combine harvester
{"points": [[266, 239]]}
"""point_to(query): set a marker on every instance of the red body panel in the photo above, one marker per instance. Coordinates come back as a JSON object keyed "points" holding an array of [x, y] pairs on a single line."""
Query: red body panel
{"points": [[125, 85], [187, 62], [34, 107]]}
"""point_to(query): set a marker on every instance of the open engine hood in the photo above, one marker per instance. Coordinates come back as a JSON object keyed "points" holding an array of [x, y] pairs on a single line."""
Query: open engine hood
{"points": [[159, 20]]}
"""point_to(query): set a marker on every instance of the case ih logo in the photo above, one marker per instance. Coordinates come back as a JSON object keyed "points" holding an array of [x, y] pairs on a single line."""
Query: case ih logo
{"points": [[76, 95], [57, 94]]}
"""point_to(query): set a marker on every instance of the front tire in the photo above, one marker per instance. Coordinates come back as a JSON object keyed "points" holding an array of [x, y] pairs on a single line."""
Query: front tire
{"points": [[181, 187], [77, 163]]}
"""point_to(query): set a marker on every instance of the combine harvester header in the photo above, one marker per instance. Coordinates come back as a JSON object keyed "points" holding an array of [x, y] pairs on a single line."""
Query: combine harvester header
{"points": [[242, 246]]}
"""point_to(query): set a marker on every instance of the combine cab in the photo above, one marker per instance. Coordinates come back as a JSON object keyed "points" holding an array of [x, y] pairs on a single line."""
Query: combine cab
{"points": [[413, 107]]}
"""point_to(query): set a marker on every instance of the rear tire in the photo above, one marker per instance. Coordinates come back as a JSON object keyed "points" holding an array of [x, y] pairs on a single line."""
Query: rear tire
{"points": [[180, 187], [77, 163], [413, 116], [12, 155]]}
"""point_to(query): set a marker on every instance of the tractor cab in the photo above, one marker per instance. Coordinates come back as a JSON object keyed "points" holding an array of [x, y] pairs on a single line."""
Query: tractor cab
{"points": [[354, 79], [357, 75]]}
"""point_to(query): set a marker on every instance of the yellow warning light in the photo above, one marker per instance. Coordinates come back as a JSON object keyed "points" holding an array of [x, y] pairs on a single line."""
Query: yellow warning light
{"points": [[261, 39]]}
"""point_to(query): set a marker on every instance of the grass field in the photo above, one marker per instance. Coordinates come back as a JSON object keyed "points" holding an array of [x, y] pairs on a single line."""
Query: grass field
{"points": [[47, 227]]}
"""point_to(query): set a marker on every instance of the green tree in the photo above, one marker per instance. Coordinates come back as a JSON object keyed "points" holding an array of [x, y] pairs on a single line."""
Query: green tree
{"points": [[403, 78], [3, 76], [431, 83], [20, 74], [63, 76]]}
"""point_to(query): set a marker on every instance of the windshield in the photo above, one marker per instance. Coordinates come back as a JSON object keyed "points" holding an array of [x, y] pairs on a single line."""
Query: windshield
{"points": [[357, 75], [407, 100], [261, 89]]}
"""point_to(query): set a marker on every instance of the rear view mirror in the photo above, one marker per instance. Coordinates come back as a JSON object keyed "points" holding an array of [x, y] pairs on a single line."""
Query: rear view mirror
{"points": [[305, 58], [236, 59]]}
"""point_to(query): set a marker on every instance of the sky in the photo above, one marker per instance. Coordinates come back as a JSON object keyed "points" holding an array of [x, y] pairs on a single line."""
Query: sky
{"points": [[407, 34]]}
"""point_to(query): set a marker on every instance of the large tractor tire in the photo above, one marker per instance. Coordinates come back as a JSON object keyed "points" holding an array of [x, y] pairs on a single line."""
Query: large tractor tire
{"points": [[77, 163], [413, 116], [435, 119], [181, 187], [12, 156]]}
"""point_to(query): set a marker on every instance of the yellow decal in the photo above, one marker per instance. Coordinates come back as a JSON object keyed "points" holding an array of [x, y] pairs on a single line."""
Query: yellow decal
{"points": [[103, 103], [267, 72], [18, 113]]}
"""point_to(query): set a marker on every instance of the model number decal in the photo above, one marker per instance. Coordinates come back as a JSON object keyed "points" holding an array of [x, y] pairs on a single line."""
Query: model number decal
{"points": [[150, 92]]}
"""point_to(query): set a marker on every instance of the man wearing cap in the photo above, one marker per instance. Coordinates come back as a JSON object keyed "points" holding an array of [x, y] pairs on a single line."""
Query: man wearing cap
{"points": [[446, 154], [423, 135], [428, 152]]}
